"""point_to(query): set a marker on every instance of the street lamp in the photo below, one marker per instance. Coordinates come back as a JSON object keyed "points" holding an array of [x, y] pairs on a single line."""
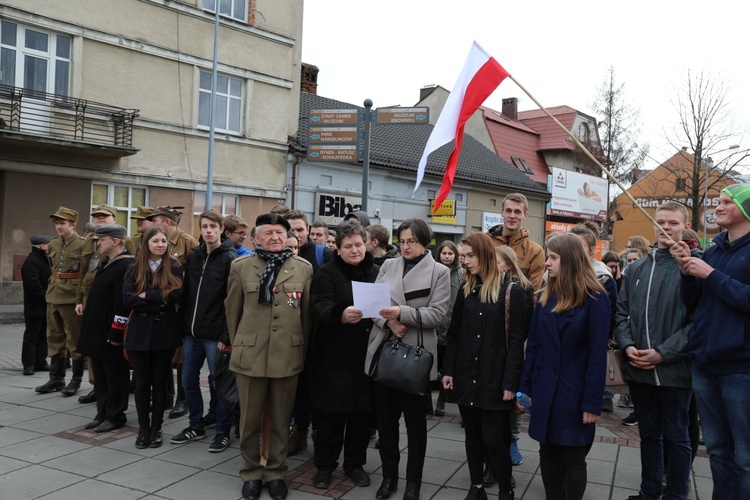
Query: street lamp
{"points": [[709, 165]]}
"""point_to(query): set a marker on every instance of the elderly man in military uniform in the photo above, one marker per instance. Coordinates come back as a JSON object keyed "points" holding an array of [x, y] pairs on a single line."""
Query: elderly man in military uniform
{"points": [[268, 315], [141, 224], [180, 245], [91, 258], [63, 324]]}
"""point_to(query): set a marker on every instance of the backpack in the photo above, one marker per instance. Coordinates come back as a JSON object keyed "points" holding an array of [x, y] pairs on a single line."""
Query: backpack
{"points": [[319, 252]]}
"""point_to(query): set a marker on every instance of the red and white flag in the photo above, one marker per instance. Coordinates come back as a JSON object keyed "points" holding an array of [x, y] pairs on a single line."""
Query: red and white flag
{"points": [[479, 77]]}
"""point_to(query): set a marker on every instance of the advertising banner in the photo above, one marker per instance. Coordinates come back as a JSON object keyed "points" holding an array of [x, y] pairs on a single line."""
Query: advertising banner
{"points": [[578, 195]]}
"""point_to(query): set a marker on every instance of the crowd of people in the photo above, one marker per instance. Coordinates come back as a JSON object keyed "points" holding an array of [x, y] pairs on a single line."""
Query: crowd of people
{"points": [[513, 327]]}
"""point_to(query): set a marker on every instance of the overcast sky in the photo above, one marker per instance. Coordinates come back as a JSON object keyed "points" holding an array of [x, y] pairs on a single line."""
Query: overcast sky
{"points": [[560, 52]]}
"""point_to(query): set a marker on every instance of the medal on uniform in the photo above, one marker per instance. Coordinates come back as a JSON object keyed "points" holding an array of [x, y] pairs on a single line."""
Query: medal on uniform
{"points": [[294, 298]]}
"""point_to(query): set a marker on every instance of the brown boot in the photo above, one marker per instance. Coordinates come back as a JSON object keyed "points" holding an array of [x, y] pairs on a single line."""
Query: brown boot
{"points": [[297, 440]]}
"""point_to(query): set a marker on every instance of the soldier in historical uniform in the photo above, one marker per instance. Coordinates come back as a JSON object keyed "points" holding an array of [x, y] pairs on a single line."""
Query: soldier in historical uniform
{"points": [[268, 316], [142, 223], [91, 258], [35, 273], [180, 245], [63, 324]]}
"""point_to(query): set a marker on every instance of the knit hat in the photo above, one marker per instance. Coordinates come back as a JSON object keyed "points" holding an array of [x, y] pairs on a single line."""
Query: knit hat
{"points": [[740, 194]]}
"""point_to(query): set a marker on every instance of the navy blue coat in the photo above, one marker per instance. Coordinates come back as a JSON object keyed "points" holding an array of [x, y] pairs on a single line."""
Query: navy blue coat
{"points": [[566, 360]]}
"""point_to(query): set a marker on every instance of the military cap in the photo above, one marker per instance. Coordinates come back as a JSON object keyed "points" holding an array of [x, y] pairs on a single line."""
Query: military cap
{"points": [[142, 213], [104, 210], [172, 213], [279, 219], [111, 230], [65, 214], [40, 239]]}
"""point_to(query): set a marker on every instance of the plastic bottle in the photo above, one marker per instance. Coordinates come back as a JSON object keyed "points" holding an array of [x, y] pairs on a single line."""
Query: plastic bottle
{"points": [[523, 400]]}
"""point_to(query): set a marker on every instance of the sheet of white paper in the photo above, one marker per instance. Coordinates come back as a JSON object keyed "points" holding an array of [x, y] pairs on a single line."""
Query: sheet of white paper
{"points": [[371, 297]]}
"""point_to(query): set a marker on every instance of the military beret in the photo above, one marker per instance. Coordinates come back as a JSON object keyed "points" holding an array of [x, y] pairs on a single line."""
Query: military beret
{"points": [[111, 230], [264, 219], [104, 210], [65, 214], [172, 213], [40, 239], [142, 213]]}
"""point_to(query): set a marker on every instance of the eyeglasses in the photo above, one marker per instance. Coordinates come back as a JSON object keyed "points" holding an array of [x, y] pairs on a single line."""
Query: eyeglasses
{"points": [[410, 242], [241, 234]]}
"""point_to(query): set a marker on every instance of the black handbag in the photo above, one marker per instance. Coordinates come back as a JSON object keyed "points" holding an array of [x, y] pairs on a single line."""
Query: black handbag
{"points": [[403, 366], [224, 381]]}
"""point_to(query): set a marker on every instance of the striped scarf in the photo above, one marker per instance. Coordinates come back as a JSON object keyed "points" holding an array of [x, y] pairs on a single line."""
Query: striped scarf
{"points": [[274, 261]]}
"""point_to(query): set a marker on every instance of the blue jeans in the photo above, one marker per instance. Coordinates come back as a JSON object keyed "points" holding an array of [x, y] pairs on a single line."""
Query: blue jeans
{"points": [[195, 352], [724, 407], [663, 416]]}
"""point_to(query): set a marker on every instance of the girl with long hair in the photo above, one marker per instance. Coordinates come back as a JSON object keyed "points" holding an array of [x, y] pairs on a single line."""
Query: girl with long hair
{"points": [[152, 288], [483, 362], [566, 365]]}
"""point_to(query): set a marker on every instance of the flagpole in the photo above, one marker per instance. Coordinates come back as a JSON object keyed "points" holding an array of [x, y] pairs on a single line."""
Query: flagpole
{"points": [[586, 151]]}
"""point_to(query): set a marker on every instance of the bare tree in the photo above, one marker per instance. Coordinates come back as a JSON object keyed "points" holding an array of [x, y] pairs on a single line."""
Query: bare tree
{"points": [[706, 123]]}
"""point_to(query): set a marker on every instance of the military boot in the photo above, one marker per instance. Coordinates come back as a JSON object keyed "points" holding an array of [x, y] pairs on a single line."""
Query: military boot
{"points": [[75, 382], [297, 440], [56, 380]]}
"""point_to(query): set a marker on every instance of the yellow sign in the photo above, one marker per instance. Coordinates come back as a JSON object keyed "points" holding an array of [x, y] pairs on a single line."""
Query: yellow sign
{"points": [[444, 219], [448, 207]]}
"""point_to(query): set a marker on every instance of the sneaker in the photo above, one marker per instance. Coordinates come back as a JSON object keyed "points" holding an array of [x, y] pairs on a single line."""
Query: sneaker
{"points": [[219, 444], [607, 405], [630, 420], [515, 455], [624, 401], [189, 434]]}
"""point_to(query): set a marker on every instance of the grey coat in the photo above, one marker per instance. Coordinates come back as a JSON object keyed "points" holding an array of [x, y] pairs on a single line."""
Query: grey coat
{"points": [[651, 315], [428, 287]]}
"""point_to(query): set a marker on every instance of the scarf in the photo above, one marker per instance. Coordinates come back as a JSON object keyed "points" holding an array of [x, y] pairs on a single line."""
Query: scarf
{"points": [[274, 261]]}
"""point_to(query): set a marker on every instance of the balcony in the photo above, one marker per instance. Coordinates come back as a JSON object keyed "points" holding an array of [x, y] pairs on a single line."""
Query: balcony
{"points": [[62, 123]]}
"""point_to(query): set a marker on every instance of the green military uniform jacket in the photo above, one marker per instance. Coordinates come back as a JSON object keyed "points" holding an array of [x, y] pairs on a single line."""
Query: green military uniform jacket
{"points": [[90, 260], [65, 254], [268, 340], [180, 246]]}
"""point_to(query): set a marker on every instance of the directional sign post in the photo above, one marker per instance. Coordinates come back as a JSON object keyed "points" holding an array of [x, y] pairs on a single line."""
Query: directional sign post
{"points": [[334, 135], [400, 116]]}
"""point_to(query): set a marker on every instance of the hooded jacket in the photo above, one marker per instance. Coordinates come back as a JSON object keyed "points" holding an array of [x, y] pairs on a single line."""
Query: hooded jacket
{"points": [[720, 337], [360, 215], [530, 254], [391, 253], [651, 315]]}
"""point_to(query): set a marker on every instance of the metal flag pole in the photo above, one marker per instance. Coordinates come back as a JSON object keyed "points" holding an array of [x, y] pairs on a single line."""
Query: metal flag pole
{"points": [[212, 113]]}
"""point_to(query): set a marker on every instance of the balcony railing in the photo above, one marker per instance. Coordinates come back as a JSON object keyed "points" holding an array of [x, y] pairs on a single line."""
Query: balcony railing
{"points": [[62, 117]]}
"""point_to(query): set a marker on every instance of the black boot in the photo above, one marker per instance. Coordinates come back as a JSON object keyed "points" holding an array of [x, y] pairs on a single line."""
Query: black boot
{"points": [[56, 380], [488, 477], [27, 357], [476, 494], [75, 382], [440, 406], [411, 492]]}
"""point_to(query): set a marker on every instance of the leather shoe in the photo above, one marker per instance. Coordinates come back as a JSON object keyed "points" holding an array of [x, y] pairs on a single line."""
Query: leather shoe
{"points": [[387, 486], [156, 439], [107, 426], [180, 409], [277, 488], [359, 476], [93, 424], [488, 478], [88, 398], [322, 479], [28, 370], [141, 442], [411, 492], [251, 489]]}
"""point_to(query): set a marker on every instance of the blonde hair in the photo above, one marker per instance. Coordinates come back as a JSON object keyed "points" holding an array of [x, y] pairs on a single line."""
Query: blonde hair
{"points": [[508, 256], [575, 282], [489, 275]]}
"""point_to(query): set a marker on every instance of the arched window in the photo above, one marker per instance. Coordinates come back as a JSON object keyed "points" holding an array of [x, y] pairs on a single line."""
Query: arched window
{"points": [[583, 132]]}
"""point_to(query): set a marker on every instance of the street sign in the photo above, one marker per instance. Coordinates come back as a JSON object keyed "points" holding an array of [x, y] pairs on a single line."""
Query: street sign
{"points": [[447, 207], [332, 153], [398, 115], [334, 116], [334, 135]]}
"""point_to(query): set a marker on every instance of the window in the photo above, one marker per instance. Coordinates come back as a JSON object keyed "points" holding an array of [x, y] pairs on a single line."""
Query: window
{"points": [[680, 184], [224, 204], [583, 132], [228, 103], [33, 59], [125, 199], [521, 164], [236, 9]]}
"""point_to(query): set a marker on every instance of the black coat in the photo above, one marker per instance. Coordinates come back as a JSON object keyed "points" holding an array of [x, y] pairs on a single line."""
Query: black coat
{"points": [[153, 325], [337, 351], [204, 291], [35, 273], [477, 358], [104, 302], [307, 252]]}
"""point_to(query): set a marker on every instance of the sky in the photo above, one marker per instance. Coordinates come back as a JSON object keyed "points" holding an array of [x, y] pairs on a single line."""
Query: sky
{"points": [[560, 52]]}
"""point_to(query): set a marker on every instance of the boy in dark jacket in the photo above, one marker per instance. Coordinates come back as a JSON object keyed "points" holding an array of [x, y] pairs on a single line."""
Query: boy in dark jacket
{"points": [[205, 326]]}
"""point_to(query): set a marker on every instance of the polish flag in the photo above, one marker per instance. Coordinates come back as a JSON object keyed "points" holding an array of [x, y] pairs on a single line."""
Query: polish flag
{"points": [[479, 77]]}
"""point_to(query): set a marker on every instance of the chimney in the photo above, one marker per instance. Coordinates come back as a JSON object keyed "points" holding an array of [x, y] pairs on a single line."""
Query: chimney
{"points": [[510, 108], [426, 90], [309, 82]]}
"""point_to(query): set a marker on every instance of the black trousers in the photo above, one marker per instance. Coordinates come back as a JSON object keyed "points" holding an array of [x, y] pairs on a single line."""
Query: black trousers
{"points": [[152, 371], [389, 404], [304, 414], [34, 344], [112, 386], [487, 434], [563, 470], [348, 430]]}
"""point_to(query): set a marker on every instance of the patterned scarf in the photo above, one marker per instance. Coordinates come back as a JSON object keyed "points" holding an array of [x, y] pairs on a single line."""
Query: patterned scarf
{"points": [[274, 261]]}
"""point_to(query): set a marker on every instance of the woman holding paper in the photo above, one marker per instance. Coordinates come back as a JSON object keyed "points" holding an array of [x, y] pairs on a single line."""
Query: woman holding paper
{"points": [[340, 390], [416, 282]]}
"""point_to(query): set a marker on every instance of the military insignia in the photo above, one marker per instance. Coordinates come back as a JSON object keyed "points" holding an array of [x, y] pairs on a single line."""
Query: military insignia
{"points": [[94, 264], [294, 298]]}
